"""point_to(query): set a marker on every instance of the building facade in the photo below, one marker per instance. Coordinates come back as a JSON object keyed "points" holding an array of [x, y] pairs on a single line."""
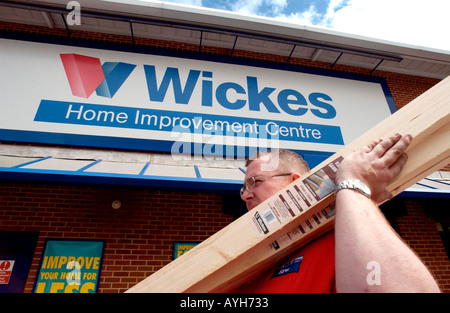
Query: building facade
{"points": [[122, 186]]}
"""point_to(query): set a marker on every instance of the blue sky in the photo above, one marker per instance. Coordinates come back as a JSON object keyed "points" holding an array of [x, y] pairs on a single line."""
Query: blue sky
{"points": [[416, 22]]}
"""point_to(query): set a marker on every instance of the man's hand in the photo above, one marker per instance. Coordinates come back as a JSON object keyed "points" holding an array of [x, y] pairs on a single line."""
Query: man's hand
{"points": [[376, 164]]}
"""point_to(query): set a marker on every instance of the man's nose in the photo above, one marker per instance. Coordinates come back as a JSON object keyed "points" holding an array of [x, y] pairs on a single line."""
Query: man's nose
{"points": [[247, 195]]}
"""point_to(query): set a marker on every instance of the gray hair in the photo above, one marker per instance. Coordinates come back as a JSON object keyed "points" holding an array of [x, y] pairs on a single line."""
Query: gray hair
{"points": [[289, 161]]}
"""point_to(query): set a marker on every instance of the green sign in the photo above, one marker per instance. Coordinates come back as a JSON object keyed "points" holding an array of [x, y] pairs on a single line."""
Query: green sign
{"points": [[70, 266], [179, 248]]}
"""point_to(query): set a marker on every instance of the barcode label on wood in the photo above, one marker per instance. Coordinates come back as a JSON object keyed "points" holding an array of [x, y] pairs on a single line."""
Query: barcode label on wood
{"points": [[305, 227], [268, 216], [296, 200]]}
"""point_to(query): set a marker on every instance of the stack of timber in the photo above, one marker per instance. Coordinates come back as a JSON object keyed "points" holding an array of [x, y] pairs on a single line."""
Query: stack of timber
{"points": [[304, 210]]}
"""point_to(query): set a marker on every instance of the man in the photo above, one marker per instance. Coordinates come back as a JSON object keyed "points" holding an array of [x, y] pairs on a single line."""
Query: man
{"points": [[341, 260]]}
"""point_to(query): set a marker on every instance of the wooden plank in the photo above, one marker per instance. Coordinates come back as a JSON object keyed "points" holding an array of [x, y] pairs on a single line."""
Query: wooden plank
{"points": [[269, 232]]}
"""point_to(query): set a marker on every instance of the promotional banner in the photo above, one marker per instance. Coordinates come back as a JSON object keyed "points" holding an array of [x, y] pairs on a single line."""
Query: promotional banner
{"points": [[179, 248], [91, 97], [70, 266]]}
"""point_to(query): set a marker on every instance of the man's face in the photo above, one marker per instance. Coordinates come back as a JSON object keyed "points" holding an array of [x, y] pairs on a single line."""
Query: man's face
{"points": [[264, 186]]}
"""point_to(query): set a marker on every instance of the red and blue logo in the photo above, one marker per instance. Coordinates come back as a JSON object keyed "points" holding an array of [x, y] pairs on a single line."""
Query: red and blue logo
{"points": [[86, 75]]}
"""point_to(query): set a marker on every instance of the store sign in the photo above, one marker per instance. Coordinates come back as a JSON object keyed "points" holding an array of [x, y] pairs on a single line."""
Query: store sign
{"points": [[93, 97], [70, 266]]}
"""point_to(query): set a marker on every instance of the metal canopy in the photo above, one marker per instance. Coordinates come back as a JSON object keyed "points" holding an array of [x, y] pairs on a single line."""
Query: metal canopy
{"points": [[187, 177], [162, 174], [204, 35]]}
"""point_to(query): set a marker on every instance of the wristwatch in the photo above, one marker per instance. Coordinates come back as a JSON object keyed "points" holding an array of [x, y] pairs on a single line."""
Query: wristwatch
{"points": [[354, 184]]}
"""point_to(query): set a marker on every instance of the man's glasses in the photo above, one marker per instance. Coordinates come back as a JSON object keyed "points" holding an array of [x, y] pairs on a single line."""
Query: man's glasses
{"points": [[250, 183]]}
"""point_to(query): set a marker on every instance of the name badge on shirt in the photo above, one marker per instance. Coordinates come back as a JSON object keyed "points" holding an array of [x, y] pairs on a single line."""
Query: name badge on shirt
{"points": [[291, 266]]}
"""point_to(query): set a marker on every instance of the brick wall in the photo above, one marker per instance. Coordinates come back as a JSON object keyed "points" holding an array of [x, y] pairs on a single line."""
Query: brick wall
{"points": [[140, 235], [420, 232]]}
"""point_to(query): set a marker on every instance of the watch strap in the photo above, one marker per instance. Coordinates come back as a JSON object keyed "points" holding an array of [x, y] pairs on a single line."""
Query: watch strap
{"points": [[354, 184]]}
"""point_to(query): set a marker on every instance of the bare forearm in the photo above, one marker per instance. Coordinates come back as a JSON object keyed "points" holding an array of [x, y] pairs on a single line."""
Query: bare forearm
{"points": [[370, 257]]}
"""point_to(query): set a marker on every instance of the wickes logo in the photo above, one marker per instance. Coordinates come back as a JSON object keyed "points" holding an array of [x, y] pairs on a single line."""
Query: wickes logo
{"points": [[86, 75]]}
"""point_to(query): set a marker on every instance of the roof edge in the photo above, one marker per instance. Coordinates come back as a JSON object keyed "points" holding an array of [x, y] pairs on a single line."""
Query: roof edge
{"points": [[233, 21]]}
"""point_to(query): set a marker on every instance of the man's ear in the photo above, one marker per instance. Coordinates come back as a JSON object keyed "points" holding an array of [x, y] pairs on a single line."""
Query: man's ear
{"points": [[294, 176]]}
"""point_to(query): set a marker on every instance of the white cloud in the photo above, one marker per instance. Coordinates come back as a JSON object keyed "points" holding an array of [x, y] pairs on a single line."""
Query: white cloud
{"points": [[188, 2], [277, 5], [303, 18], [312, 17], [253, 7], [417, 22], [246, 6]]}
